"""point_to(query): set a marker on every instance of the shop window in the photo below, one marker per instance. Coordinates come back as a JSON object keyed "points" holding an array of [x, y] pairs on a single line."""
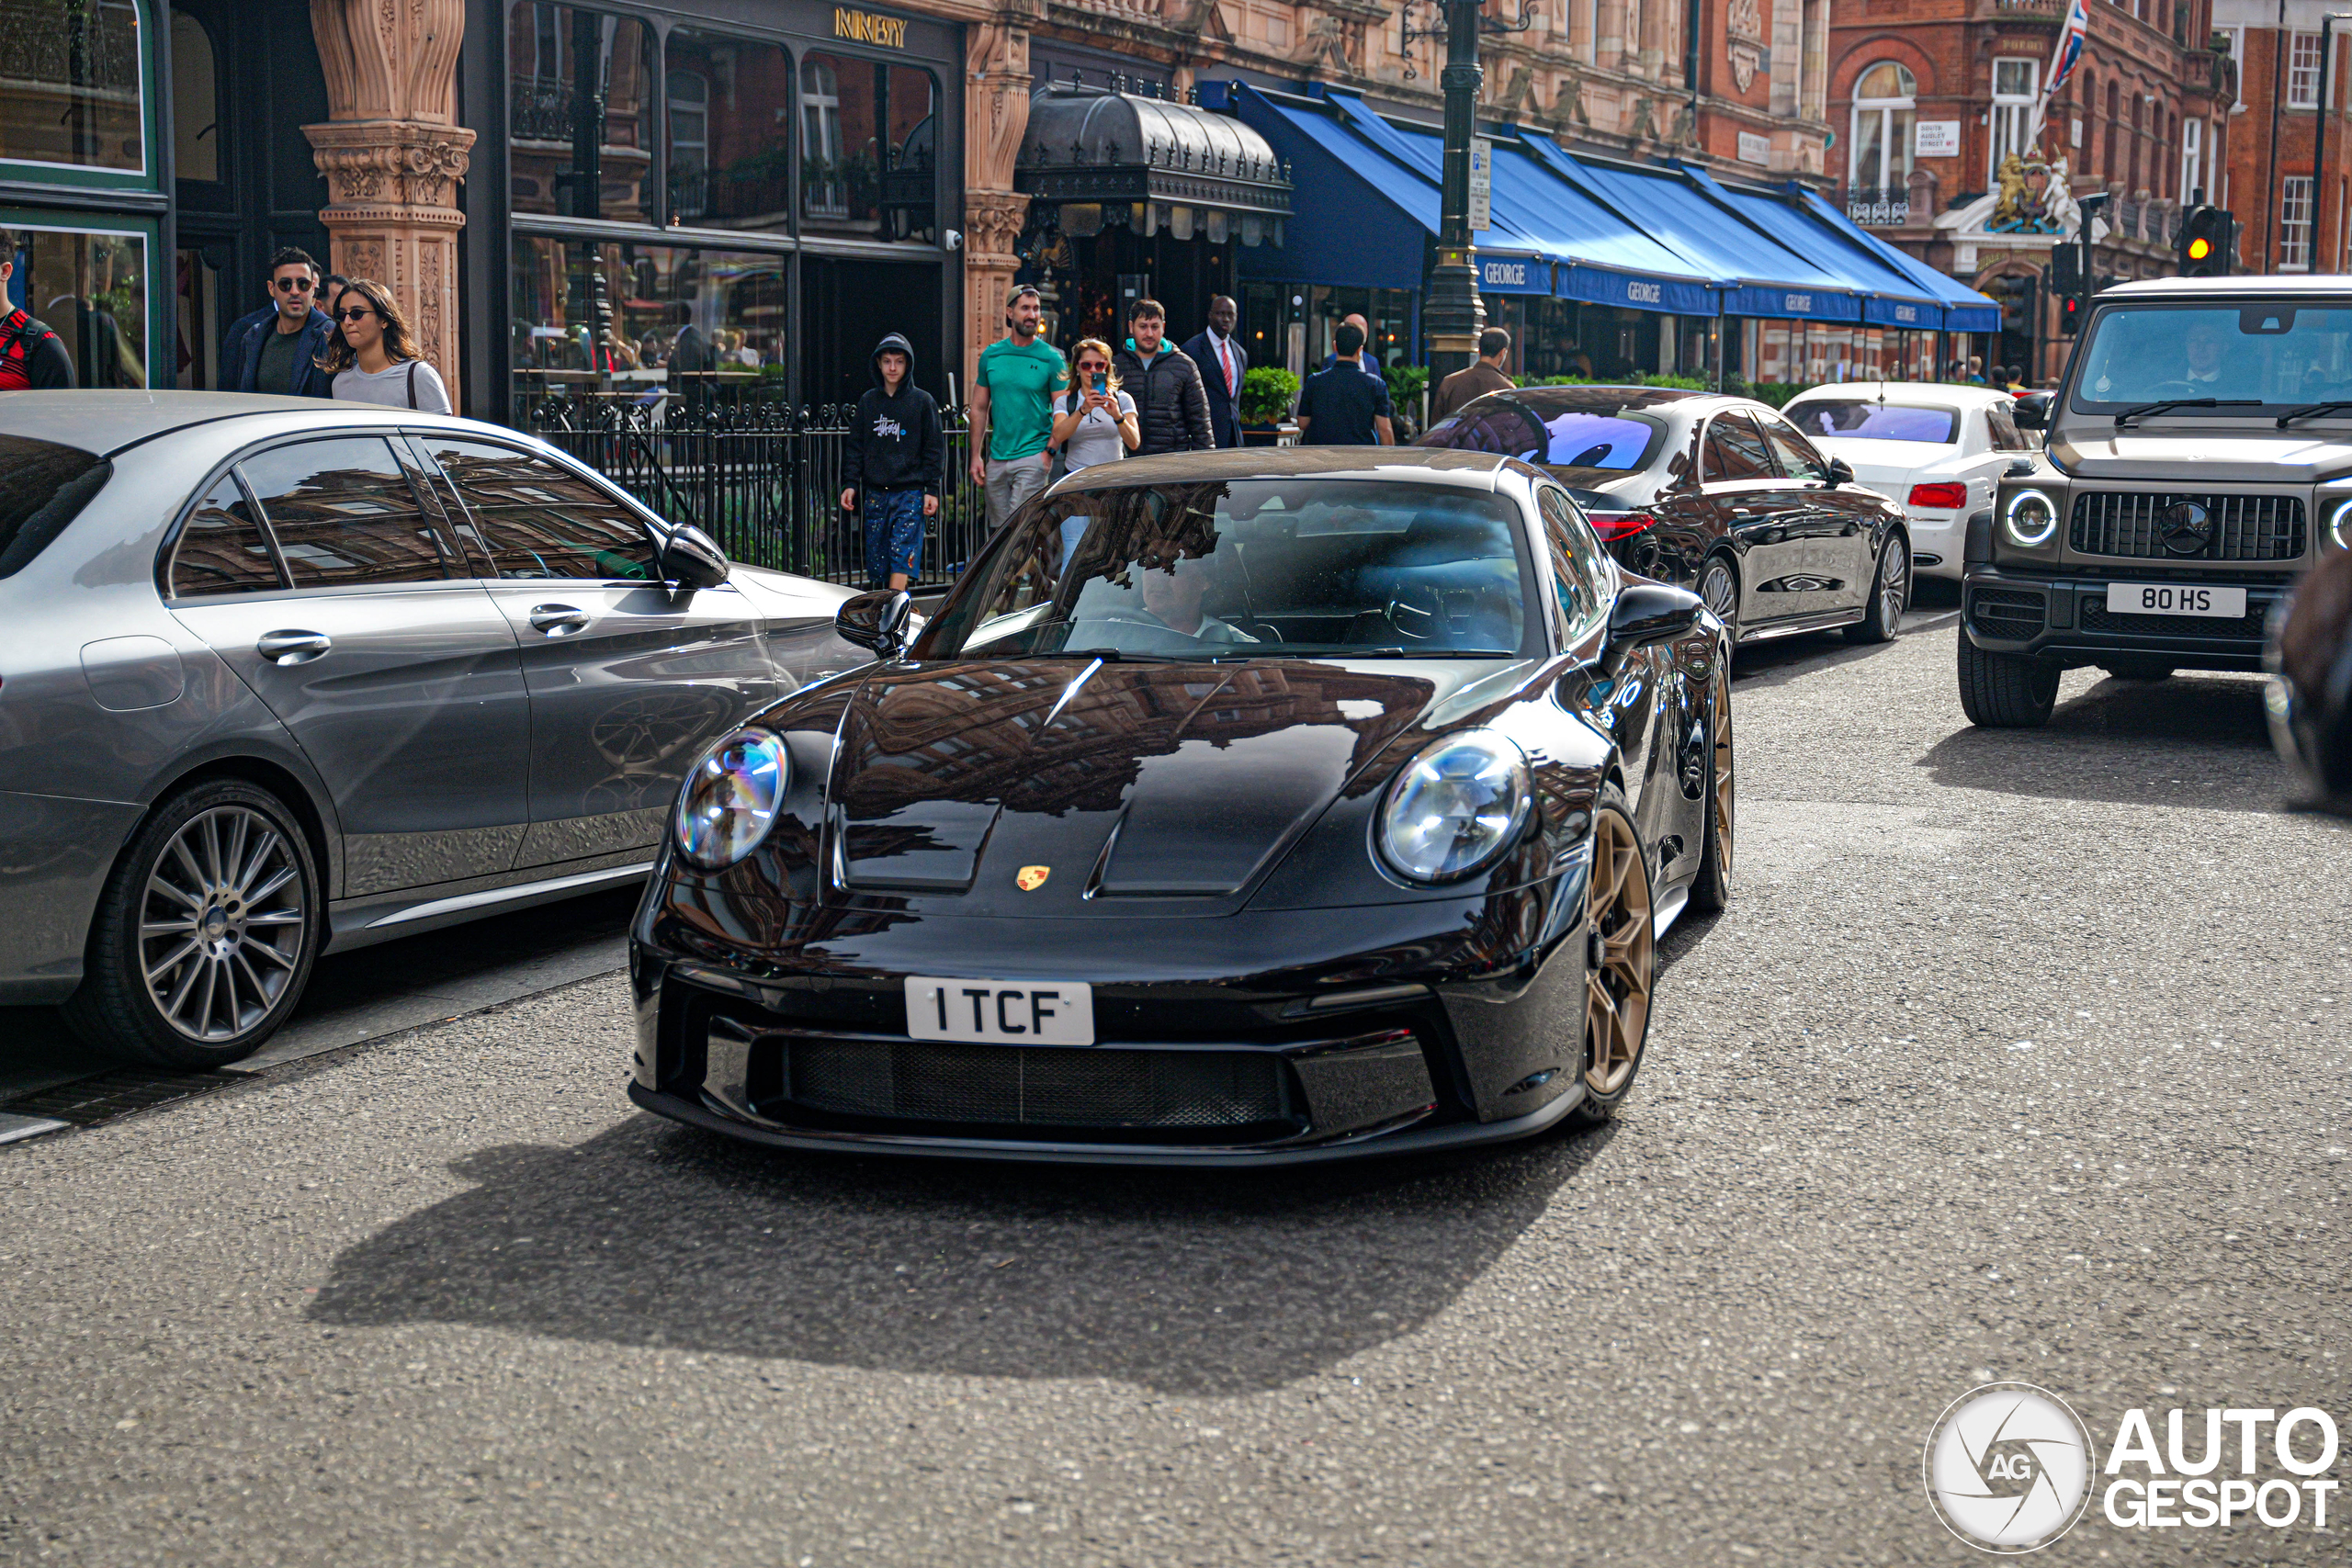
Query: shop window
{"points": [[196, 101], [869, 149], [72, 70], [637, 321], [92, 290], [730, 120], [581, 135]]}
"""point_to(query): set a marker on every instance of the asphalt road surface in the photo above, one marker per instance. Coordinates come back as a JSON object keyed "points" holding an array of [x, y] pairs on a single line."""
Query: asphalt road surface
{"points": [[2017, 1057]]}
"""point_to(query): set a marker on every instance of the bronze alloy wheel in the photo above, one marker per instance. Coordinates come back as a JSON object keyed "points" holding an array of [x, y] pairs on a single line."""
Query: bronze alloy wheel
{"points": [[1622, 963]]}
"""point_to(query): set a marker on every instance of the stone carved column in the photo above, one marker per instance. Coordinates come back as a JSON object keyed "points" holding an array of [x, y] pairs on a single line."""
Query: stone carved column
{"points": [[393, 154], [996, 116]]}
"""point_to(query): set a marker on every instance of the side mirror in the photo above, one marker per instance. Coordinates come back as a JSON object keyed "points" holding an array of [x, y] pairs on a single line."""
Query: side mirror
{"points": [[691, 560], [876, 621], [1652, 612], [2030, 413], [1841, 472]]}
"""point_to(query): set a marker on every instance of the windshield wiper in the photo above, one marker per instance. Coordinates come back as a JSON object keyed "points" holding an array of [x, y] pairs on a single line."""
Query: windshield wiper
{"points": [[2312, 410], [2143, 410]]}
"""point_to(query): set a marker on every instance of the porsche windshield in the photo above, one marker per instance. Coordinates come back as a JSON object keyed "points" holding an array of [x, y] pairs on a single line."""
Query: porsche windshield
{"points": [[1247, 568], [2280, 354]]}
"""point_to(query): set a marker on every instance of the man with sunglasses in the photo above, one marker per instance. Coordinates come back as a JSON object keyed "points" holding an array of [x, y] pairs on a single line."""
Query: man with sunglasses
{"points": [[278, 349]]}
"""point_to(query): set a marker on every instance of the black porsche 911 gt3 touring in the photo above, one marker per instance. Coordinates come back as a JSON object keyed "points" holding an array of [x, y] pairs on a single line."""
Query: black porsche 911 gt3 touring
{"points": [[1240, 808]]}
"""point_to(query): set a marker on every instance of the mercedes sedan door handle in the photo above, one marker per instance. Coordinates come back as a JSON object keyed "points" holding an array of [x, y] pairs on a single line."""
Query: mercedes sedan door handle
{"points": [[558, 620], [292, 647]]}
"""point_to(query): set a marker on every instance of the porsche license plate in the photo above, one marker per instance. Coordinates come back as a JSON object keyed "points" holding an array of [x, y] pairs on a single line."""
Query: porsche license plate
{"points": [[2175, 599], [1001, 1013]]}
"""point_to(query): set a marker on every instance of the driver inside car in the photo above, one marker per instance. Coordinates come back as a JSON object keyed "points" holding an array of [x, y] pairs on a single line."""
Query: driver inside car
{"points": [[1172, 596]]}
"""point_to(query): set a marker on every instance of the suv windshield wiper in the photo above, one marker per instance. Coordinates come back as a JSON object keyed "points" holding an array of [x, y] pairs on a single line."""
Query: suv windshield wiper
{"points": [[2143, 410], [2312, 410]]}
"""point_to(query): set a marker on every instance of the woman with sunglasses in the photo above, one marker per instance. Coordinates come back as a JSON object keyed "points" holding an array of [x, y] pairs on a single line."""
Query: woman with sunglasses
{"points": [[1094, 423], [372, 358]]}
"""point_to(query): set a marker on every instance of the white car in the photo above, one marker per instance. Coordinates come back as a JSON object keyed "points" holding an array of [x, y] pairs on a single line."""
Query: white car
{"points": [[1936, 451]]}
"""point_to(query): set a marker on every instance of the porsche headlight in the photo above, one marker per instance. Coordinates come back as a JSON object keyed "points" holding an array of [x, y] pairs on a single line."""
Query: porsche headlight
{"points": [[730, 799], [2030, 517], [1455, 806]]}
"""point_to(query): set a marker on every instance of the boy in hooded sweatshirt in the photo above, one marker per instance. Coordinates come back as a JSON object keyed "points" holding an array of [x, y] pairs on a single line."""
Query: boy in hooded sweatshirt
{"points": [[893, 461]]}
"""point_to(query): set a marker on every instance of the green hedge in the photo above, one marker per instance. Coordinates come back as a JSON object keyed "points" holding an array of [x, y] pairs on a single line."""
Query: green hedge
{"points": [[1267, 393]]}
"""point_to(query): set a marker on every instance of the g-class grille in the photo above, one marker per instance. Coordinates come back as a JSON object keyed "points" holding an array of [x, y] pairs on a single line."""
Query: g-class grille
{"points": [[2237, 527]]}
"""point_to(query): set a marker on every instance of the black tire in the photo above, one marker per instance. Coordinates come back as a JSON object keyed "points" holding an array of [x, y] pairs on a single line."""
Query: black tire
{"points": [[1712, 889], [2005, 691], [1721, 593], [254, 926], [1890, 593], [2140, 669], [1631, 939]]}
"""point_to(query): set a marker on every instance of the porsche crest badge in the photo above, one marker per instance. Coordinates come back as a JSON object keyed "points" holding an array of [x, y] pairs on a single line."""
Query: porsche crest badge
{"points": [[1033, 878]]}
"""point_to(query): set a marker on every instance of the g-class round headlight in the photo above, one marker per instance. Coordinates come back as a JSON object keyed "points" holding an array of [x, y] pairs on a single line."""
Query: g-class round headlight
{"points": [[1455, 806], [730, 797], [2030, 517], [2339, 525]]}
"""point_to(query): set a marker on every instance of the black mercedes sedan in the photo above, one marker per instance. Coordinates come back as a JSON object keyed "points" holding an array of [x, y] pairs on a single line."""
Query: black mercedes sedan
{"points": [[1718, 493], [1243, 807]]}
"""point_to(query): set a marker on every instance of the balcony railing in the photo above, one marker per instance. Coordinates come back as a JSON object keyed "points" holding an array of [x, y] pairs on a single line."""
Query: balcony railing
{"points": [[1867, 204]]}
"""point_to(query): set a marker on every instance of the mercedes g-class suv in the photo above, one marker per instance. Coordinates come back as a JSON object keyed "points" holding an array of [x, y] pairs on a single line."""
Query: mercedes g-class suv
{"points": [[2200, 456]]}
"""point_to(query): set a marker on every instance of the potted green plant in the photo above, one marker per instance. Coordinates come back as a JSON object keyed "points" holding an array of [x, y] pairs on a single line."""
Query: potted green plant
{"points": [[1267, 393]]}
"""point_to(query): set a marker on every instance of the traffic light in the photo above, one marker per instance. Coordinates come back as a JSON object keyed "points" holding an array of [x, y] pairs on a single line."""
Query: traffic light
{"points": [[2071, 309], [2207, 243]]}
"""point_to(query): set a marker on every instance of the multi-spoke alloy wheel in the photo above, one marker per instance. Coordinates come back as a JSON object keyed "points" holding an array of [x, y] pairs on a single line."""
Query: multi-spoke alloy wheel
{"points": [[1719, 590], [204, 940], [1621, 963], [222, 926], [1890, 595]]}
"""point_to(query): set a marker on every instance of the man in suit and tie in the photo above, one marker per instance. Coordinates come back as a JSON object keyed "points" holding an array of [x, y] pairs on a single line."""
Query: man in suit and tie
{"points": [[1222, 363]]}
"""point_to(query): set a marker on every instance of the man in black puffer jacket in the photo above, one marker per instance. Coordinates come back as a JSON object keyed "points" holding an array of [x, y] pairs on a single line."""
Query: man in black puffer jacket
{"points": [[1166, 385]]}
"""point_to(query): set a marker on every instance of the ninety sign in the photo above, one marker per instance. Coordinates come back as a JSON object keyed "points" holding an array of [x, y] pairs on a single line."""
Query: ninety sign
{"points": [[864, 26]]}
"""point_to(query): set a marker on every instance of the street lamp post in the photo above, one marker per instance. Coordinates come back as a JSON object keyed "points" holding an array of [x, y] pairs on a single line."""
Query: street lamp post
{"points": [[1454, 315]]}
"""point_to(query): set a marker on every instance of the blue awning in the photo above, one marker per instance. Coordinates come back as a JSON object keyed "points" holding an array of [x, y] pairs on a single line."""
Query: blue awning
{"points": [[1366, 209], [1889, 297], [1757, 276], [1965, 309]]}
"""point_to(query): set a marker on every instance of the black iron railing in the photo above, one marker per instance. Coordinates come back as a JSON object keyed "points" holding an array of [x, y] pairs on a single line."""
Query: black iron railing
{"points": [[1868, 204], [761, 478]]}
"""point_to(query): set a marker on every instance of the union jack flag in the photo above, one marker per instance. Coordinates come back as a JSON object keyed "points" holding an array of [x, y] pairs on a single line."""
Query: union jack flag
{"points": [[2070, 51]]}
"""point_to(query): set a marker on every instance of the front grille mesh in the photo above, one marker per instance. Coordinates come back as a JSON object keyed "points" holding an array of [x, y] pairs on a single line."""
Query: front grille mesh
{"points": [[2245, 527], [2098, 617], [2011, 614], [1036, 1085]]}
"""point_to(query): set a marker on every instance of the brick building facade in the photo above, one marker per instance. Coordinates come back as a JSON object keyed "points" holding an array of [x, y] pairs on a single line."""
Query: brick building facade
{"points": [[2273, 118], [1934, 103]]}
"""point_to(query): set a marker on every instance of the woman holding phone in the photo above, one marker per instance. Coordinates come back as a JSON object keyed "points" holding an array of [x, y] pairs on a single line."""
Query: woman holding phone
{"points": [[1094, 423]]}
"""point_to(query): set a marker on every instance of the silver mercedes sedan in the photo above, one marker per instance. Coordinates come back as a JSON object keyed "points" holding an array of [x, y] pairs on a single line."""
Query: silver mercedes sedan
{"points": [[281, 677]]}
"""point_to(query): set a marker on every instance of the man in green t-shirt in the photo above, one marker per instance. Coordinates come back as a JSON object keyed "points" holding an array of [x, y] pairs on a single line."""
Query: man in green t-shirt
{"points": [[1013, 394]]}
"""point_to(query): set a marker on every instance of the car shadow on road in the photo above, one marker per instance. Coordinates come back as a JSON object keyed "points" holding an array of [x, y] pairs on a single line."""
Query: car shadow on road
{"points": [[2197, 741], [1194, 1282]]}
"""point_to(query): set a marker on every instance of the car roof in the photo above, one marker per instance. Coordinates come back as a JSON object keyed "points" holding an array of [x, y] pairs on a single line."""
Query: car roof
{"points": [[1913, 393], [2271, 283], [1474, 469], [105, 423]]}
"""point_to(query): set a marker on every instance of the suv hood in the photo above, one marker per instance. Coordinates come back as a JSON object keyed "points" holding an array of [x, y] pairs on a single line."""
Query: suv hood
{"points": [[2204, 456], [1133, 781]]}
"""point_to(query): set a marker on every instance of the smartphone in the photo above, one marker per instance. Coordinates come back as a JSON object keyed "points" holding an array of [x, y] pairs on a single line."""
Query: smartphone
{"points": [[1100, 380]]}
